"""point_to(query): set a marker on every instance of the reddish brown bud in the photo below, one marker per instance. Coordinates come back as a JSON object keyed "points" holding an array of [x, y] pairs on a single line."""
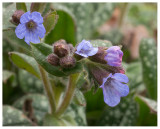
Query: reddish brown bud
{"points": [[99, 56], [71, 48], [53, 60], [16, 16], [67, 62], [61, 48]]}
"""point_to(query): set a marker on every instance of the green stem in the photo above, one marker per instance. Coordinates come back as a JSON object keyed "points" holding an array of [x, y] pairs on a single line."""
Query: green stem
{"points": [[68, 95], [48, 89]]}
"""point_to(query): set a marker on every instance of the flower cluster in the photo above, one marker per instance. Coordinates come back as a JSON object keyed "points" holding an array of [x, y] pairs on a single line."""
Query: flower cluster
{"points": [[31, 27], [111, 78]]}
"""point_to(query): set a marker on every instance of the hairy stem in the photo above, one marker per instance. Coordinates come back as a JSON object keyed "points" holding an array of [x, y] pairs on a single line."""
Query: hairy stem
{"points": [[68, 95], [48, 89]]}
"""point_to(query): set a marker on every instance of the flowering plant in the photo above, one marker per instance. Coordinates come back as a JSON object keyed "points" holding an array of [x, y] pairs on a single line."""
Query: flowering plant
{"points": [[60, 75]]}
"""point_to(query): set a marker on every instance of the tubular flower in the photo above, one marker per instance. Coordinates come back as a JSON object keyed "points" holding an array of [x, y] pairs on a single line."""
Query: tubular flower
{"points": [[31, 27], [86, 49], [114, 87], [114, 56]]}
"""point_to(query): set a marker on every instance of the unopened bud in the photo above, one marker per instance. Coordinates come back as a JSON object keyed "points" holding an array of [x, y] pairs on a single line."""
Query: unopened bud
{"points": [[99, 56], [53, 60], [16, 16], [67, 62], [61, 48], [71, 48]]}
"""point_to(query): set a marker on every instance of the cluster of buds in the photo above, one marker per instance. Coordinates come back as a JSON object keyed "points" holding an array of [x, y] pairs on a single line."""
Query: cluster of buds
{"points": [[62, 55], [105, 67]]}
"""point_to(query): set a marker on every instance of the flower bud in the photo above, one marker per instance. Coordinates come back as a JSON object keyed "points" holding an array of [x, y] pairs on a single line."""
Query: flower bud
{"points": [[99, 56], [114, 56], [67, 62], [61, 48], [53, 60], [71, 48], [16, 16]]}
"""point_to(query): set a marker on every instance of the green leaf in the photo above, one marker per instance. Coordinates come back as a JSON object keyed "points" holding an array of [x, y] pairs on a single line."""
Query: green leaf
{"points": [[39, 7], [134, 79], [124, 114], [149, 102], [39, 105], [25, 62], [51, 120], [148, 55], [89, 16], [79, 98], [101, 43], [83, 80], [40, 53], [21, 6], [73, 116], [77, 113], [116, 40], [14, 117], [29, 83], [7, 15], [50, 21], [10, 36], [147, 110], [64, 29], [92, 99], [7, 75]]}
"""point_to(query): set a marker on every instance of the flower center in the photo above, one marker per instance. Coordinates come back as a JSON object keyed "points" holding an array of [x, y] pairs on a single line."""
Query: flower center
{"points": [[31, 25]]}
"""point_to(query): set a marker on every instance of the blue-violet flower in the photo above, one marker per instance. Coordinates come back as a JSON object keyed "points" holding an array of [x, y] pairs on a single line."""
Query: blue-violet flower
{"points": [[114, 56], [31, 27], [114, 87], [86, 49]]}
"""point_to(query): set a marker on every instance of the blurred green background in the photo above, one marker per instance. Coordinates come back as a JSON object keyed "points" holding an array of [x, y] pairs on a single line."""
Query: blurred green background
{"points": [[131, 25]]}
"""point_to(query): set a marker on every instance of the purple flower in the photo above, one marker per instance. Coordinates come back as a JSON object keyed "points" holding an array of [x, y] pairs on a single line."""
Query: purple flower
{"points": [[114, 88], [114, 56], [31, 27], [86, 49]]}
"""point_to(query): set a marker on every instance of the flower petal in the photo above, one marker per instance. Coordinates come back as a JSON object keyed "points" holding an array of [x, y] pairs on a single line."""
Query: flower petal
{"points": [[34, 37], [113, 48], [20, 31], [27, 37], [121, 77], [113, 59], [25, 17], [85, 45], [40, 30], [123, 89], [111, 96], [36, 17], [105, 79], [114, 56], [81, 54], [92, 52]]}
